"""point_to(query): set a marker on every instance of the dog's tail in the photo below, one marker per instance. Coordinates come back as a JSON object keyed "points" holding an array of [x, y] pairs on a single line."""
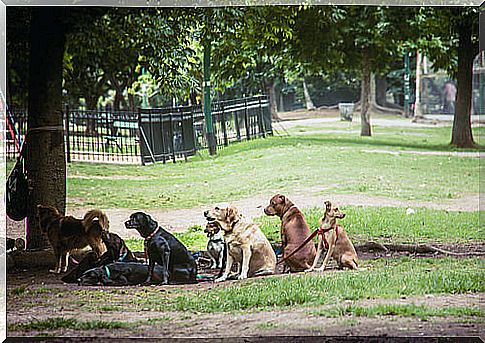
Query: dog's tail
{"points": [[98, 217]]}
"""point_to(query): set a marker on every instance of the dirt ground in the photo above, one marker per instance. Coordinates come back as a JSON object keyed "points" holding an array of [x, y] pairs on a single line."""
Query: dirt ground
{"points": [[288, 322]]}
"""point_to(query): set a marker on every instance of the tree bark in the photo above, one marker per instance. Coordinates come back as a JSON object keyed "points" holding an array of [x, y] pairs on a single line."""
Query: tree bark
{"points": [[417, 97], [365, 95], [308, 100], [381, 90], [45, 158], [462, 136], [270, 86]]}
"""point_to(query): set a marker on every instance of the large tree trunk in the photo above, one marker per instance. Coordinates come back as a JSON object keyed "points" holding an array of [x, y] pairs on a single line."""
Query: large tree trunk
{"points": [[45, 158], [365, 95], [381, 90], [417, 97], [462, 136], [91, 104], [308, 100]]}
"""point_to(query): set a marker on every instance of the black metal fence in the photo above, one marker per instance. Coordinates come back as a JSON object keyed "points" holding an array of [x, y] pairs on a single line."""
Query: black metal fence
{"points": [[152, 135]]}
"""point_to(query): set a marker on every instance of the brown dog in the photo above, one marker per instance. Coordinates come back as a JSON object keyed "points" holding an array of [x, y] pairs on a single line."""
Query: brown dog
{"points": [[245, 242], [66, 233], [339, 245], [294, 230]]}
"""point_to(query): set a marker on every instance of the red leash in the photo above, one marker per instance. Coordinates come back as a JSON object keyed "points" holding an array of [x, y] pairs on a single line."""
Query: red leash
{"points": [[319, 231]]}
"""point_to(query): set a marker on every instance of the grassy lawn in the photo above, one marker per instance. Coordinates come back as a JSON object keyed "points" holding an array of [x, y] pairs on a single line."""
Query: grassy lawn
{"points": [[383, 278], [335, 162]]}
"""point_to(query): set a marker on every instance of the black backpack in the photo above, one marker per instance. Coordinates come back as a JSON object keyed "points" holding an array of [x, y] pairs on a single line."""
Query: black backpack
{"points": [[17, 191]]}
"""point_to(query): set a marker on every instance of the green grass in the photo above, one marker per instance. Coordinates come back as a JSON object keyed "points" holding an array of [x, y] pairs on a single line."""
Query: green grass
{"points": [[333, 162], [404, 310], [56, 323], [382, 278]]}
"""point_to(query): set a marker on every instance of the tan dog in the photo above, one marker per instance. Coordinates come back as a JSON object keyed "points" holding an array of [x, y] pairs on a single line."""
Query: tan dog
{"points": [[339, 245], [246, 244], [294, 230]]}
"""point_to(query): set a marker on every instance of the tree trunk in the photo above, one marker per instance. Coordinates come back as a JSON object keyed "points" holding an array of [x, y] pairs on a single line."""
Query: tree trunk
{"points": [[45, 158], [381, 90], [91, 104], [365, 95], [417, 97], [270, 86], [462, 136], [308, 100]]}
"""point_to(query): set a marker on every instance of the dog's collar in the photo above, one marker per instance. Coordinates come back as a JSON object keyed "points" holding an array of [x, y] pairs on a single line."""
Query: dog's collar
{"points": [[287, 211], [108, 273], [217, 240], [123, 254], [322, 233], [153, 233]]}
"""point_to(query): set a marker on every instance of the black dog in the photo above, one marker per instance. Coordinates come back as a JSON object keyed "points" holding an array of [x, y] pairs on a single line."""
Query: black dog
{"points": [[117, 251], [119, 274], [163, 248]]}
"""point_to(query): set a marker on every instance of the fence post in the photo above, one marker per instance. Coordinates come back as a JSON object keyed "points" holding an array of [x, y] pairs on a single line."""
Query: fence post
{"points": [[260, 119], [140, 135], [171, 135], [224, 130], [246, 119], [68, 136], [238, 130], [182, 142]]}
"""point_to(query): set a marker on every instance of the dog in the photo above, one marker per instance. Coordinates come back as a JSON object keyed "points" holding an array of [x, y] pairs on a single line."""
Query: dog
{"points": [[246, 244], [339, 245], [215, 246], [119, 274], [117, 251], [66, 233], [294, 230], [17, 244], [178, 265]]}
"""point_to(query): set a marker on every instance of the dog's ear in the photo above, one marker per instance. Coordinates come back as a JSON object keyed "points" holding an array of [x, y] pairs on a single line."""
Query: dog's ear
{"points": [[282, 198], [328, 206], [153, 224], [232, 214]]}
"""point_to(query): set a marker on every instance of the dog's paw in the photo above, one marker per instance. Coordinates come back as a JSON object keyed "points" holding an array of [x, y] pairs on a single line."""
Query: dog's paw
{"points": [[242, 277], [54, 271], [309, 270], [221, 279]]}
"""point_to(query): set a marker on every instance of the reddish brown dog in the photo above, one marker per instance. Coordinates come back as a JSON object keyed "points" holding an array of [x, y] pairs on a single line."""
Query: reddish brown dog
{"points": [[294, 230]]}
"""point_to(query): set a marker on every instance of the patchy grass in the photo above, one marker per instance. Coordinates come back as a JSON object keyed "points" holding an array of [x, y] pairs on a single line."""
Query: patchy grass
{"points": [[383, 278], [403, 310], [336, 162], [56, 323]]}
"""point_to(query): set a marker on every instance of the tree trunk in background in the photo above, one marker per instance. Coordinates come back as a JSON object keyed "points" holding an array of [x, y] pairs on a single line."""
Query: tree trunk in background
{"points": [[462, 136], [45, 158], [381, 90], [365, 95], [308, 100], [417, 94], [91, 104], [270, 86]]}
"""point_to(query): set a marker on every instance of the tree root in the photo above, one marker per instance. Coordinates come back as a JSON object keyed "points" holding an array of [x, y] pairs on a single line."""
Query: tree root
{"points": [[413, 248]]}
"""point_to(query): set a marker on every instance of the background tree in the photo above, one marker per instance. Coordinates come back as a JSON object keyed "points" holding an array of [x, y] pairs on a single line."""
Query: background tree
{"points": [[449, 36]]}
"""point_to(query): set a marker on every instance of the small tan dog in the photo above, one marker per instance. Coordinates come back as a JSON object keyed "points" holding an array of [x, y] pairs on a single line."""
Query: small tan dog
{"points": [[336, 241], [245, 242]]}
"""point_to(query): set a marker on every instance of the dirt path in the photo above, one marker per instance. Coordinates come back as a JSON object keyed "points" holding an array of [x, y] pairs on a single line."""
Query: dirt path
{"points": [[297, 321]]}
